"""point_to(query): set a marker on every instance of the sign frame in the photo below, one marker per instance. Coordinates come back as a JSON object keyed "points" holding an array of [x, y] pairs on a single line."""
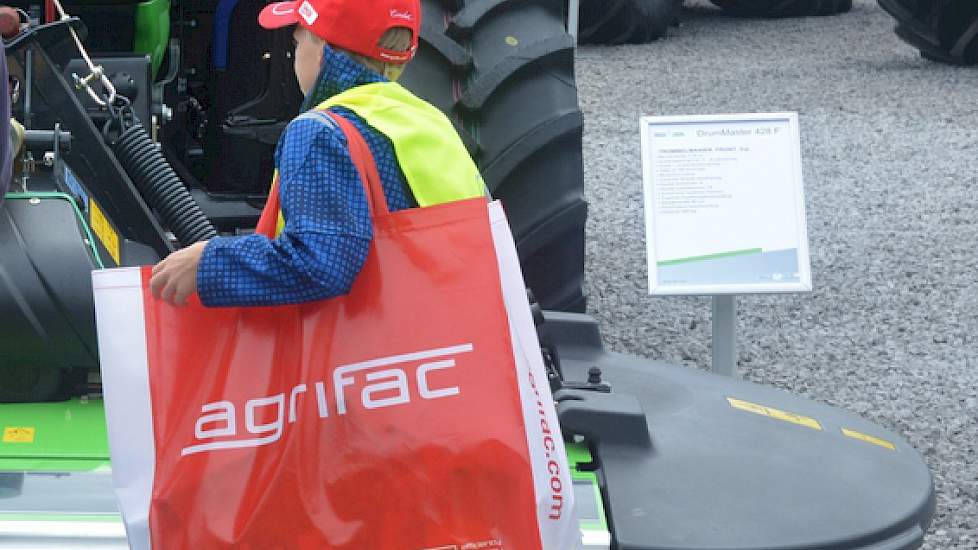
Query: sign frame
{"points": [[804, 283]]}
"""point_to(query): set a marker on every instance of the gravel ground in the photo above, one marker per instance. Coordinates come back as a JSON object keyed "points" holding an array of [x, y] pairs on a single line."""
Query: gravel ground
{"points": [[890, 153]]}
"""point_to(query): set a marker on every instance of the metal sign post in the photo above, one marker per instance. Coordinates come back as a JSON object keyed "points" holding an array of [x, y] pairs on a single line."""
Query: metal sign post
{"points": [[725, 334], [573, 17]]}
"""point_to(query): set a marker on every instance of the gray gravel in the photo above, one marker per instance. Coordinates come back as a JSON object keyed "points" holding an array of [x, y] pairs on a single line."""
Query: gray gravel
{"points": [[890, 152]]}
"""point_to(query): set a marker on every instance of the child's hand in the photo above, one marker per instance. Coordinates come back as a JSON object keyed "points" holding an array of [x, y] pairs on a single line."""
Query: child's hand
{"points": [[175, 278]]}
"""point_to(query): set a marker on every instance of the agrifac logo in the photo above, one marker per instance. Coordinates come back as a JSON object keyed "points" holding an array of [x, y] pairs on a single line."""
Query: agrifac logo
{"points": [[384, 382]]}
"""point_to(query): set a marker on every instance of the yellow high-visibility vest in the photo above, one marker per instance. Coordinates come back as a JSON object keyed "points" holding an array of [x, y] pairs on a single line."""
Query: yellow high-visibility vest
{"points": [[435, 163]]}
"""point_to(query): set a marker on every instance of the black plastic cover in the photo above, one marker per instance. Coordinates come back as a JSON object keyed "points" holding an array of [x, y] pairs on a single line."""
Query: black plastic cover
{"points": [[750, 474], [46, 314]]}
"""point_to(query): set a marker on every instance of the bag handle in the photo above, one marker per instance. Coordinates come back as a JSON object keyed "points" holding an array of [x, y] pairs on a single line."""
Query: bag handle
{"points": [[268, 221], [363, 159]]}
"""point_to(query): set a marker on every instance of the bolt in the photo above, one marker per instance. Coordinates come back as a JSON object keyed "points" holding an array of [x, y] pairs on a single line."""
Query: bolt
{"points": [[594, 375]]}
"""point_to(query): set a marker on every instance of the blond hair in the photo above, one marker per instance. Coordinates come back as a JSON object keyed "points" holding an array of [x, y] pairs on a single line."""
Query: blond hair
{"points": [[396, 39]]}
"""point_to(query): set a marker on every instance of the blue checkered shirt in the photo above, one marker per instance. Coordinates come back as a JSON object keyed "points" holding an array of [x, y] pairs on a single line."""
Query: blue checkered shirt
{"points": [[327, 223]]}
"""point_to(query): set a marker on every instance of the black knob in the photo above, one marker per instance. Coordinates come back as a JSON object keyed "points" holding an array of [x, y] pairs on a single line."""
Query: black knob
{"points": [[594, 375]]}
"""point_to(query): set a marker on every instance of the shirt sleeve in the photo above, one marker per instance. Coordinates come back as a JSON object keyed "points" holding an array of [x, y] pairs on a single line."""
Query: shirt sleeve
{"points": [[325, 239]]}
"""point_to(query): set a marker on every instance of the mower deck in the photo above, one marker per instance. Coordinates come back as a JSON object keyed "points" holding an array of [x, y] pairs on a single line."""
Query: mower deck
{"points": [[717, 463]]}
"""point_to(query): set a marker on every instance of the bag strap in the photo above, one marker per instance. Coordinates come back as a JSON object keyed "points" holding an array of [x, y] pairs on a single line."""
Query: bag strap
{"points": [[268, 221], [363, 160]]}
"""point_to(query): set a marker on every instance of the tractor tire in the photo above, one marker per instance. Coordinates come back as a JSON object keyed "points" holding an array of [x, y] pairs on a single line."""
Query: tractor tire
{"points": [[783, 8], [503, 73], [614, 22], [943, 30]]}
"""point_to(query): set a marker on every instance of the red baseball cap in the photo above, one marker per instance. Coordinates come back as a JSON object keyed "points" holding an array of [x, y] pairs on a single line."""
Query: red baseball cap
{"points": [[355, 25]]}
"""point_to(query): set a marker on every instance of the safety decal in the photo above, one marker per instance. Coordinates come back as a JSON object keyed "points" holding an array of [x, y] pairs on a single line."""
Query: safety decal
{"points": [[868, 439], [103, 229], [18, 434], [777, 414]]}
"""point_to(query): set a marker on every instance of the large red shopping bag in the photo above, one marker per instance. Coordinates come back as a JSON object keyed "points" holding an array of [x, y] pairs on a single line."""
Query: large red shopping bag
{"points": [[413, 413]]}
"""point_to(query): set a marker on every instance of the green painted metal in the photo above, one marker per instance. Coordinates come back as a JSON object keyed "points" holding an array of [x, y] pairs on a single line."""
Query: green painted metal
{"points": [[153, 30], [51, 465], [81, 218], [579, 456], [578, 453], [68, 436]]}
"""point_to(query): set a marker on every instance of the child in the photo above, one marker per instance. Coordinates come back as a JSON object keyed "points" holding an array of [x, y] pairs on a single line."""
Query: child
{"points": [[347, 54]]}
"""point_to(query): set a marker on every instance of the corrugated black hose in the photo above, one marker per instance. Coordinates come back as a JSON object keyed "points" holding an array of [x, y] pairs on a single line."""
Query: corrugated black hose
{"points": [[160, 186]]}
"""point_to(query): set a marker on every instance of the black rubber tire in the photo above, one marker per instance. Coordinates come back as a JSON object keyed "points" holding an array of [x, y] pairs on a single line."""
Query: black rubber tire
{"points": [[626, 21], [783, 8], [503, 72], [943, 30]]}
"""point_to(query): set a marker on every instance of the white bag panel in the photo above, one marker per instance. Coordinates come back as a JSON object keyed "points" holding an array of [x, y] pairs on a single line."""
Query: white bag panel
{"points": [[121, 324], [554, 490]]}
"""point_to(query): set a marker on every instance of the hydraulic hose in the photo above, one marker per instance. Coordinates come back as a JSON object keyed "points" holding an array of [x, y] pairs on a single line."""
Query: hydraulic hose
{"points": [[160, 186]]}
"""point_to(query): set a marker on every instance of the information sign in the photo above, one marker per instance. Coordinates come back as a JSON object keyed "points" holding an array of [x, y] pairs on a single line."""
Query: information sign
{"points": [[725, 204]]}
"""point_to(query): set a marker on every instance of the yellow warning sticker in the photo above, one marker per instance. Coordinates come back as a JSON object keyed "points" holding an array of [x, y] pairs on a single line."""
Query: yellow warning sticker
{"points": [[17, 434], [776, 414], [868, 439], [102, 228]]}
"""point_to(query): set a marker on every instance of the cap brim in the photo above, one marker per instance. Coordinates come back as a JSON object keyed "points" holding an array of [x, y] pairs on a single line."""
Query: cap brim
{"points": [[278, 15]]}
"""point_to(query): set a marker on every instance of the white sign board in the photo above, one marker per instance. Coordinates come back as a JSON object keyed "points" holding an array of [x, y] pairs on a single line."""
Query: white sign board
{"points": [[725, 204]]}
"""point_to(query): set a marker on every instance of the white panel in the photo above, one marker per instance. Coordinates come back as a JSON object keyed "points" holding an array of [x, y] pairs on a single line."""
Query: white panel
{"points": [[121, 326], [538, 404]]}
